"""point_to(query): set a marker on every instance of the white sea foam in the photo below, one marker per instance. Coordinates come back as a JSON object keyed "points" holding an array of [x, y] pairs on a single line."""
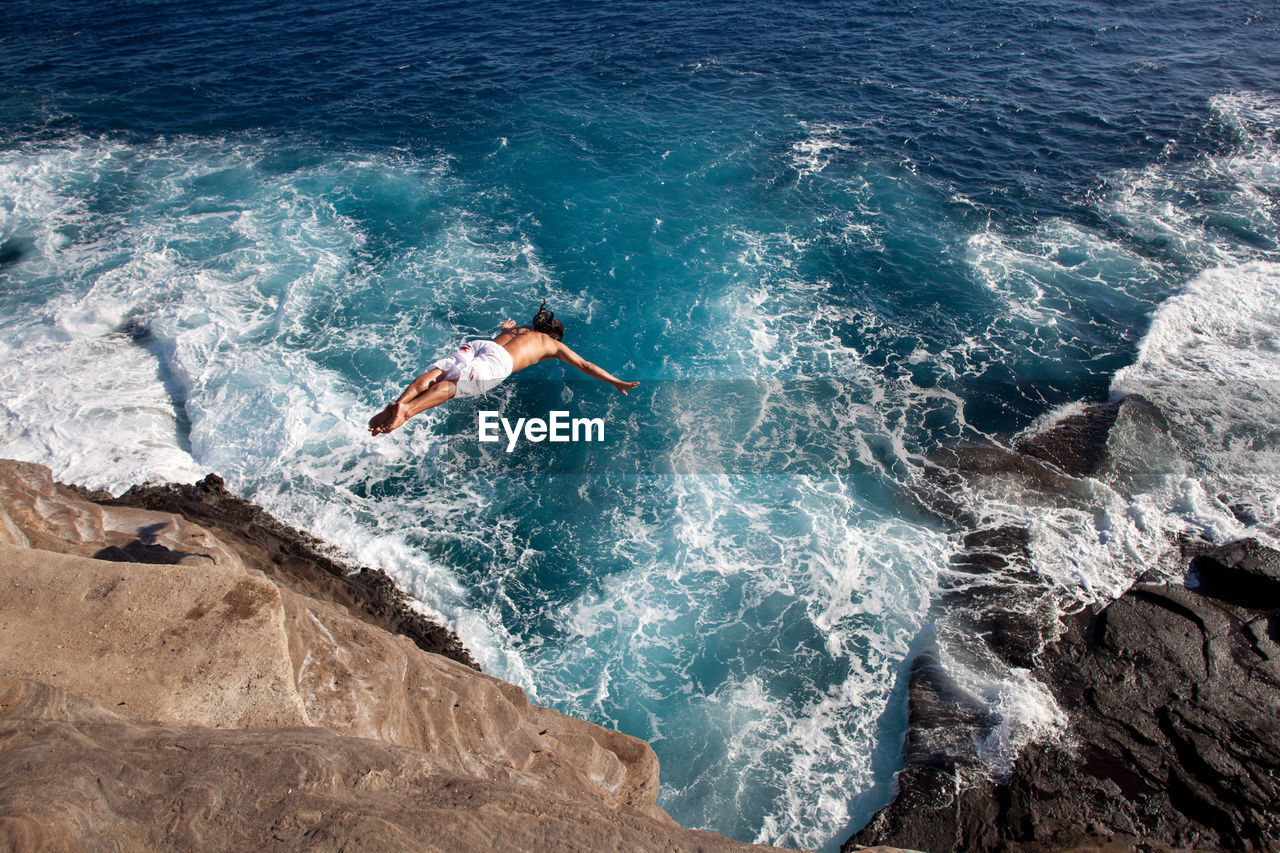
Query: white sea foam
{"points": [[751, 567], [806, 539], [822, 143], [1027, 713], [1053, 275], [1211, 363], [1211, 358], [1217, 210], [95, 410]]}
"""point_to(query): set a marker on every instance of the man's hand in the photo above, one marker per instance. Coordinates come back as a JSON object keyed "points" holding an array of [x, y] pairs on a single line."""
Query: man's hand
{"points": [[624, 387], [508, 324]]}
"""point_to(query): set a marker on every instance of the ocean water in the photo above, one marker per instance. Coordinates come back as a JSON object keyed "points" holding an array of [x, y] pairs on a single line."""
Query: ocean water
{"points": [[827, 238]]}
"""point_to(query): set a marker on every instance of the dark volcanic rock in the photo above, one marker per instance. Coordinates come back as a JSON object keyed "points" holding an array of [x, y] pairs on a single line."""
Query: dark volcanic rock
{"points": [[1173, 698], [1172, 695], [1246, 573], [289, 556], [989, 593], [937, 754], [1076, 444], [992, 591]]}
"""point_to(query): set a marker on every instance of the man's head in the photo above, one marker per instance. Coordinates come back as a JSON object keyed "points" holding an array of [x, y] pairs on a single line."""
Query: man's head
{"points": [[544, 321]]}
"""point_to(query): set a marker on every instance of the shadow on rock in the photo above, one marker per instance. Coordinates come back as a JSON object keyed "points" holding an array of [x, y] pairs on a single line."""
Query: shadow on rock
{"points": [[146, 549]]}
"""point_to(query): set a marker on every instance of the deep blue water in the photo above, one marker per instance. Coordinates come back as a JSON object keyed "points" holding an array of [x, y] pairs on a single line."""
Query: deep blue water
{"points": [[826, 237]]}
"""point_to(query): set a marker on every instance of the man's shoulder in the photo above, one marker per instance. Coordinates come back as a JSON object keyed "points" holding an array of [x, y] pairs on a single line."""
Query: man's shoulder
{"points": [[530, 339], [542, 338]]}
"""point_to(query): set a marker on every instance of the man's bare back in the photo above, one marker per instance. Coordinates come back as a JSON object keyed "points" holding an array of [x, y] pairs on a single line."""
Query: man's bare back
{"points": [[526, 346], [521, 347]]}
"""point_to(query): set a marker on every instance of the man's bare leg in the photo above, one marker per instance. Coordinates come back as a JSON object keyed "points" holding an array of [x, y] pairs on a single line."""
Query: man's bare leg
{"points": [[416, 387], [436, 391]]}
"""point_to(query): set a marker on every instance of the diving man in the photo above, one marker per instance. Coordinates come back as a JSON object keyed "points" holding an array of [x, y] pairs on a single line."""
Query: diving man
{"points": [[478, 366]]}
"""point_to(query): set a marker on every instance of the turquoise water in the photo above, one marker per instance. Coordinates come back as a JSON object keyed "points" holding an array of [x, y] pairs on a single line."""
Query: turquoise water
{"points": [[826, 239]]}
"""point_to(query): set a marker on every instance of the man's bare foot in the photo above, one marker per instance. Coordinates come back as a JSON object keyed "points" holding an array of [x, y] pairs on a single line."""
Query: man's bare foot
{"points": [[379, 420], [390, 418]]}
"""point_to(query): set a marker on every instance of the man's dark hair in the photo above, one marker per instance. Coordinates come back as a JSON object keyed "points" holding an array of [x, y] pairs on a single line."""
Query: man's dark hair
{"points": [[546, 322]]}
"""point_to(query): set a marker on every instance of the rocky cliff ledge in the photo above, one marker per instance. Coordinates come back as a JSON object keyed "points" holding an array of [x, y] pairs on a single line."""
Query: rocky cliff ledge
{"points": [[1173, 698], [1171, 693], [178, 670]]}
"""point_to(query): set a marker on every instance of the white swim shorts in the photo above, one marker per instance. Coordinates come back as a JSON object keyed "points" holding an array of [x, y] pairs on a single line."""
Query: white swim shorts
{"points": [[476, 367]]}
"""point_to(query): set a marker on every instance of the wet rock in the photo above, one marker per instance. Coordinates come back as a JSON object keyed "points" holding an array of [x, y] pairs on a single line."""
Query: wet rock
{"points": [[1173, 700], [1172, 695], [1246, 573], [1076, 444]]}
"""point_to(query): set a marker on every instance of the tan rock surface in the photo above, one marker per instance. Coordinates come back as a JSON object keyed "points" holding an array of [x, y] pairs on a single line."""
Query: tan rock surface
{"points": [[75, 776], [362, 682], [245, 713], [36, 512], [204, 646]]}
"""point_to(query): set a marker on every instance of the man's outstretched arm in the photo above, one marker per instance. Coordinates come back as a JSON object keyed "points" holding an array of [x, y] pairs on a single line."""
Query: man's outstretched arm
{"points": [[570, 357]]}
